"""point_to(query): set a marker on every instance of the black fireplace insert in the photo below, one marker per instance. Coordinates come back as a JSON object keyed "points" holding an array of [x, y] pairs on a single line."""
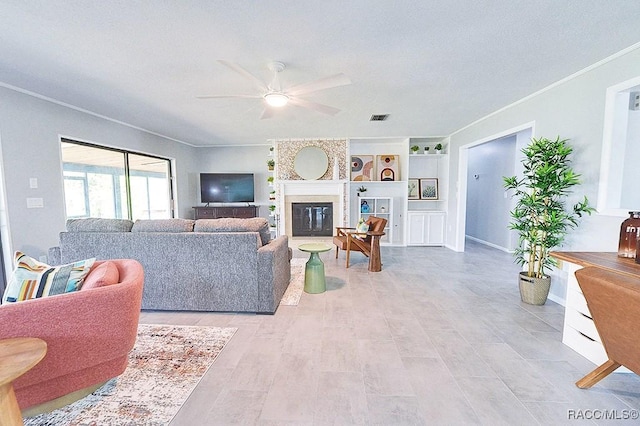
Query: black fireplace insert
{"points": [[312, 219]]}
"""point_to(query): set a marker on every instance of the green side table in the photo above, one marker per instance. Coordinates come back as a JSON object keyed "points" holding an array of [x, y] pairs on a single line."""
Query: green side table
{"points": [[314, 281]]}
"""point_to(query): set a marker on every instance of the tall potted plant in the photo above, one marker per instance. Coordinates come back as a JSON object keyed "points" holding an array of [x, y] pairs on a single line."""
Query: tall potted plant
{"points": [[540, 216]]}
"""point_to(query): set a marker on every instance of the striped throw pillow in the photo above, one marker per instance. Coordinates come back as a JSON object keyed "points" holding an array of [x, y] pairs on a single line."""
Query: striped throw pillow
{"points": [[32, 279]]}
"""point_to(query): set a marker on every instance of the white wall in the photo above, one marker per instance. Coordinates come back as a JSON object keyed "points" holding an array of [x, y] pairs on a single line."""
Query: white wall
{"points": [[487, 215], [572, 109], [30, 130]]}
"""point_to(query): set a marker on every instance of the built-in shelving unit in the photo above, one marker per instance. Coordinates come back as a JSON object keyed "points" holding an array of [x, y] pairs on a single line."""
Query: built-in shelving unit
{"points": [[395, 191], [273, 195], [426, 218], [380, 207]]}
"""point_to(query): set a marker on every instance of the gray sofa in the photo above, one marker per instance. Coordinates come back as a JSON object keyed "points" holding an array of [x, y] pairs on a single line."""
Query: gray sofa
{"points": [[202, 265]]}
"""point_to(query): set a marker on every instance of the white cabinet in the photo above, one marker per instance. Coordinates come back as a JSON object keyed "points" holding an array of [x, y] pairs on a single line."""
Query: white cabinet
{"points": [[579, 331], [425, 228], [379, 207]]}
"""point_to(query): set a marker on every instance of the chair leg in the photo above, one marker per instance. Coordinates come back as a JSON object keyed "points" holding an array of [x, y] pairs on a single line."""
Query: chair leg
{"points": [[348, 250], [598, 374], [337, 250], [375, 262]]}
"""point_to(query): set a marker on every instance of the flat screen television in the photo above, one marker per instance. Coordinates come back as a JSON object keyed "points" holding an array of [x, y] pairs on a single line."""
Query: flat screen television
{"points": [[226, 187]]}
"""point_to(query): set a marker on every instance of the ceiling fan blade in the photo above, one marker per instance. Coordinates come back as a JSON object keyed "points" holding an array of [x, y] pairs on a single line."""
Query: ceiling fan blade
{"points": [[267, 113], [246, 74], [325, 109], [322, 84], [229, 96]]}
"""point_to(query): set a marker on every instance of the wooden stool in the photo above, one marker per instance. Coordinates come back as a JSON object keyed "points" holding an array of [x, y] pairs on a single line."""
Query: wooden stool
{"points": [[17, 356]]}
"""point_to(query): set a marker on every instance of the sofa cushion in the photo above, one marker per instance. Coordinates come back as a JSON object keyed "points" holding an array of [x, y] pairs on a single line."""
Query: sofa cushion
{"points": [[94, 224], [163, 225], [101, 275], [32, 279], [229, 224]]}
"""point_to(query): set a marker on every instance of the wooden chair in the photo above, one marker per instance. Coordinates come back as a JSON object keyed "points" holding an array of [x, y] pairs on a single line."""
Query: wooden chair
{"points": [[348, 239], [614, 302]]}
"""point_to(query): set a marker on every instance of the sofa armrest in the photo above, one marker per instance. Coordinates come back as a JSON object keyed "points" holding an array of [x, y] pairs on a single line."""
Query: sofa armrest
{"points": [[274, 273]]}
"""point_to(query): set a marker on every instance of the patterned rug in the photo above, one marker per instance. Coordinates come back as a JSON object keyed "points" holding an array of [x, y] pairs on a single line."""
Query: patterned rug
{"points": [[165, 365], [292, 295]]}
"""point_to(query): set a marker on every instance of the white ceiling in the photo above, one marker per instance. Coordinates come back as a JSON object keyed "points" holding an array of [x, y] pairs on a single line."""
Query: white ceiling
{"points": [[434, 66]]}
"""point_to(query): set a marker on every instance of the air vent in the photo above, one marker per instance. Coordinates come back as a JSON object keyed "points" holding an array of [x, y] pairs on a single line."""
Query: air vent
{"points": [[379, 117]]}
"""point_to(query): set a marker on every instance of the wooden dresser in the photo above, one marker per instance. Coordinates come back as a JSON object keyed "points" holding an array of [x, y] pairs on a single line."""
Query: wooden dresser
{"points": [[218, 212], [579, 332]]}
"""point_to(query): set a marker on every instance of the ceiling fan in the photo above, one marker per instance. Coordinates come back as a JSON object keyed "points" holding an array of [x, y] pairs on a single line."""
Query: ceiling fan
{"points": [[275, 96]]}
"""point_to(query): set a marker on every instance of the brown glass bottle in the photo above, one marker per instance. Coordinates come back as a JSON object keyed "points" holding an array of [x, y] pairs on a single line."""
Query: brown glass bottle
{"points": [[629, 235]]}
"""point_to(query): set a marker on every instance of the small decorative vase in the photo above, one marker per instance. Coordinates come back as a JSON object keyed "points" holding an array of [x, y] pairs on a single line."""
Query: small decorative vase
{"points": [[629, 235], [336, 169]]}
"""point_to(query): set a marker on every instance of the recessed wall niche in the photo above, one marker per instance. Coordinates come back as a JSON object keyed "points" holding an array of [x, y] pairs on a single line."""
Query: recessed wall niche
{"points": [[619, 171]]}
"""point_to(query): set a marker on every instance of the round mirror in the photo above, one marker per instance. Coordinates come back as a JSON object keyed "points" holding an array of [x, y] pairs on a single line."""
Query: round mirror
{"points": [[311, 163]]}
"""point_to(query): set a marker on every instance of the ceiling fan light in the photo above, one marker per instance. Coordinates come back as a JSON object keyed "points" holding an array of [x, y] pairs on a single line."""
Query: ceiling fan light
{"points": [[276, 99]]}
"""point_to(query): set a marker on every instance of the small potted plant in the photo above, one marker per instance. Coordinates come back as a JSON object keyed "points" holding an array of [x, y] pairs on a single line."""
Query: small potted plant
{"points": [[270, 180], [414, 149], [426, 149], [271, 148], [272, 209], [438, 148], [540, 216], [362, 189], [272, 195], [271, 164]]}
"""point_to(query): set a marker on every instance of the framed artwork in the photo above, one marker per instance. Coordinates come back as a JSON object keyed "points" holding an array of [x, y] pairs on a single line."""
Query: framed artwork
{"points": [[361, 167], [414, 189], [429, 189], [388, 167]]}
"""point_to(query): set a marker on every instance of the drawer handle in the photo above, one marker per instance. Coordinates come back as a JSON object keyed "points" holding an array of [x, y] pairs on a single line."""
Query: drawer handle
{"points": [[586, 336], [586, 316]]}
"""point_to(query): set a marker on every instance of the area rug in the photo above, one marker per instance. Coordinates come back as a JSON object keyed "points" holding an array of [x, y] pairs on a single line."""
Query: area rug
{"points": [[165, 365], [292, 295]]}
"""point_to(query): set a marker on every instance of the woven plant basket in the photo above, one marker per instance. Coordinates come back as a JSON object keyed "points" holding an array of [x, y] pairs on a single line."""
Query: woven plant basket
{"points": [[534, 291]]}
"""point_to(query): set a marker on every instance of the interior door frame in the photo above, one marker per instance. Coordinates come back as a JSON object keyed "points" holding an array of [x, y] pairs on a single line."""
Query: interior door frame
{"points": [[463, 166]]}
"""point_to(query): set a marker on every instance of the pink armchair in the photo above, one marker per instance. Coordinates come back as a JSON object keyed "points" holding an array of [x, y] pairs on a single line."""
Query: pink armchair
{"points": [[89, 334]]}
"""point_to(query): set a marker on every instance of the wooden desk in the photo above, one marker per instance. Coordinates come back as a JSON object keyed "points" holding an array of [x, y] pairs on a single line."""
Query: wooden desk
{"points": [[579, 331], [603, 260], [17, 356]]}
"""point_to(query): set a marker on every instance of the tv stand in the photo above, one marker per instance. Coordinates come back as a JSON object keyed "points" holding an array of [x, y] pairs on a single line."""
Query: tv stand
{"points": [[216, 212]]}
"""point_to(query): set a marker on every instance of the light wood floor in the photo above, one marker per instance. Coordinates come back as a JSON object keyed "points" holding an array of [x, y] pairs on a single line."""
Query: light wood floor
{"points": [[437, 337]]}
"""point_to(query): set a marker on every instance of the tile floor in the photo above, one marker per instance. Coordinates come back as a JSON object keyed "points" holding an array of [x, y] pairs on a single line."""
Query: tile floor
{"points": [[437, 337]]}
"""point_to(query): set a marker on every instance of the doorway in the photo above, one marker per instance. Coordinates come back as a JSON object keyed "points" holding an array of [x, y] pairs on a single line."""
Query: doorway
{"points": [[484, 206]]}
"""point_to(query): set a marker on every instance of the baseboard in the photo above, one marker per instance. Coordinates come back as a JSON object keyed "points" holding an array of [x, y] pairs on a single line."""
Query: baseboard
{"points": [[487, 243]]}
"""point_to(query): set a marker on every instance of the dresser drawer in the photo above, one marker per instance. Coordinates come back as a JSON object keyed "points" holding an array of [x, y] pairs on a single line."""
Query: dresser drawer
{"points": [[585, 346], [582, 323]]}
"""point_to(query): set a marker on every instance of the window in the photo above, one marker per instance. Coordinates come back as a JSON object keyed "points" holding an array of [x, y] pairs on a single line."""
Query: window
{"points": [[111, 183]]}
